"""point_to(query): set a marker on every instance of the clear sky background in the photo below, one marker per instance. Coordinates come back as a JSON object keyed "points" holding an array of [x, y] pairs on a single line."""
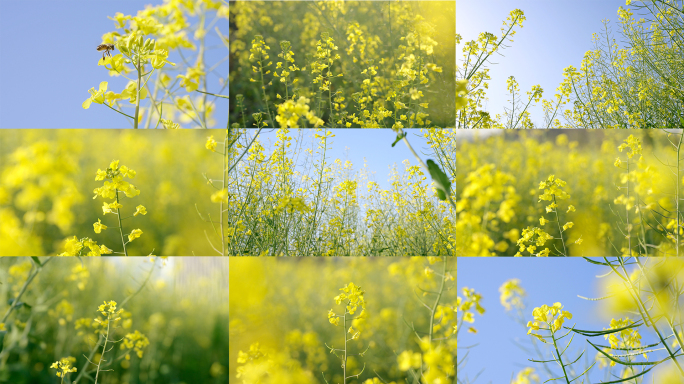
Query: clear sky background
{"points": [[373, 145], [555, 35], [546, 280], [48, 62]]}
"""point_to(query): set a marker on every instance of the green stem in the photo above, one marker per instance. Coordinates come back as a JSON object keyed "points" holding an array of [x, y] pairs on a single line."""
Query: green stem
{"points": [[104, 346], [560, 360], [137, 99], [679, 147], [439, 297], [560, 230], [116, 110], [629, 225], [153, 97], [23, 289], [223, 187], [118, 215], [85, 366], [200, 58], [344, 363], [263, 92]]}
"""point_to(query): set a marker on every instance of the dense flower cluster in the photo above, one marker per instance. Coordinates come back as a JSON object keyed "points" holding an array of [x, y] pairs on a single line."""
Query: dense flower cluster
{"points": [[548, 318], [63, 366], [145, 41], [367, 75], [582, 211]]}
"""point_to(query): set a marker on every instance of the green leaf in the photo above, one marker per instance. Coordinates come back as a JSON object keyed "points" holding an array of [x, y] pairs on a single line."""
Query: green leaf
{"points": [[399, 137], [441, 180], [627, 378], [596, 262], [213, 94], [620, 361], [36, 260], [604, 332]]}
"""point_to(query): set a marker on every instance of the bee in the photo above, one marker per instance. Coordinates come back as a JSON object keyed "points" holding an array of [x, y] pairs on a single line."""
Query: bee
{"points": [[106, 48]]}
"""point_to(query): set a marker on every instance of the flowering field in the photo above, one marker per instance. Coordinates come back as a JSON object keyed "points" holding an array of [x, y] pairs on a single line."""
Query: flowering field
{"points": [[134, 320], [603, 320], [571, 193], [368, 64], [369, 320], [537, 193], [627, 75]]}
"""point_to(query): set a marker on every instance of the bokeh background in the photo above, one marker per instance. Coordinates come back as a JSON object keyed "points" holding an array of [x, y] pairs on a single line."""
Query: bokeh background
{"points": [[179, 304], [282, 304], [501, 347], [497, 184], [49, 175]]}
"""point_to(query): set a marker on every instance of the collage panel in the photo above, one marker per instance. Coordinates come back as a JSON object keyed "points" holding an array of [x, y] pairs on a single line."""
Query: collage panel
{"points": [[107, 192], [354, 320], [591, 320], [531, 64], [152, 64], [337, 64], [115, 320], [570, 193]]}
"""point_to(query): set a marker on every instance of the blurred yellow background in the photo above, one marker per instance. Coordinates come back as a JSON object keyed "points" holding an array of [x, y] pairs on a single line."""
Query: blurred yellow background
{"points": [[280, 306], [47, 177]]}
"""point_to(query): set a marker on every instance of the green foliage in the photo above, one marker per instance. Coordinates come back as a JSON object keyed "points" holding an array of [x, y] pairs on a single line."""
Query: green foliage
{"points": [[170, 326]]}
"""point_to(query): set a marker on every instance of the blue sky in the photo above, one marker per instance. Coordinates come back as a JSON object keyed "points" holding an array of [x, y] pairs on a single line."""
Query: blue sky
{"points": [[373, 145], [49, 62], [546, 280], [555, 35]]}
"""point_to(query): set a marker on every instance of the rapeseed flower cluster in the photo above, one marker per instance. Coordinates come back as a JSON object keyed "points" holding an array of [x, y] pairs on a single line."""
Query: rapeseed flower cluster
{"points": [[84, 247], [361, 77], [145, 41], [63, 366], [114, 184], [512, 294], [526, 376], [583, 212], [352, 295], [468, 305], [549, 318]]}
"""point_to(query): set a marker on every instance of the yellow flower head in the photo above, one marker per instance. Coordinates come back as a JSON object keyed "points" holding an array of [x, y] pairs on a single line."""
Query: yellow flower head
{"points": [[98, 227], [134, 234], [211, 143], [140, 210], [63, 366]]}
